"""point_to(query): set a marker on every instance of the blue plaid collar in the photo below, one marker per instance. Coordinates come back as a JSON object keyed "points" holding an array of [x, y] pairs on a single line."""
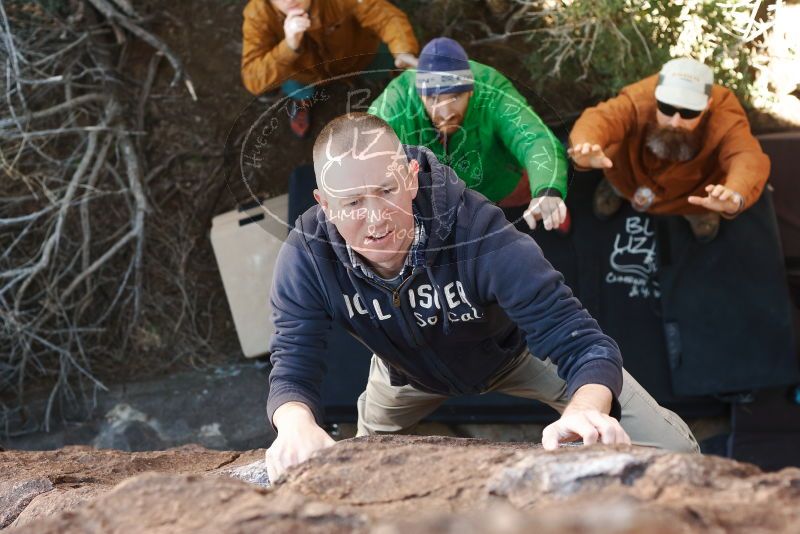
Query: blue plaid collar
{"points": [[415, 258]]}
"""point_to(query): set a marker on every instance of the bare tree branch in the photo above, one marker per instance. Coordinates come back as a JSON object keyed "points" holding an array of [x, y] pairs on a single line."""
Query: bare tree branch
{"points": [[177, 65], [74, 205]]}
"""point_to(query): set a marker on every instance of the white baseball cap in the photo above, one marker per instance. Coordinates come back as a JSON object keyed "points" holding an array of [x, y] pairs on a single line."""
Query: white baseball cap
{"points": [[685, 83]]}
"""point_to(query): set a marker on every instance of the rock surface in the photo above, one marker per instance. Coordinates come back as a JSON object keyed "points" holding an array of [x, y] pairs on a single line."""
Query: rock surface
{"points": [[393, 484]]}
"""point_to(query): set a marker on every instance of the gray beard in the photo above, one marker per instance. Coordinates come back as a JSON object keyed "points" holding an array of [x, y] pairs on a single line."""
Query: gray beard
{"points": [[672, 144]]}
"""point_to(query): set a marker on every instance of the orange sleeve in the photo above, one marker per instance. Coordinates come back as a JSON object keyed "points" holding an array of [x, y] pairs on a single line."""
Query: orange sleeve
{"points": [[745, 165], [605, 124], [387, 22], [266, 58]]}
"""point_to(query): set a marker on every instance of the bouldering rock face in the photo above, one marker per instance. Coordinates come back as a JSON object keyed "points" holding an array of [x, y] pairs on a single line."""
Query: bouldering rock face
{"points": [[155, 502], [36, 485], [16, 495], [616, 517], [395, 485], [254, 473]]}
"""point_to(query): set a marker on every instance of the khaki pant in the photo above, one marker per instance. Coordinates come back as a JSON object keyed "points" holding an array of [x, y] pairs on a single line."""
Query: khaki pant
{"points": [[383, 408]]}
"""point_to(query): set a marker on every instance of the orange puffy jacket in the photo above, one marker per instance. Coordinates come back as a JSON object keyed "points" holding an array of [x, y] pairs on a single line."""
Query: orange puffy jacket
{"points": [[347, 31], [730, 155]]}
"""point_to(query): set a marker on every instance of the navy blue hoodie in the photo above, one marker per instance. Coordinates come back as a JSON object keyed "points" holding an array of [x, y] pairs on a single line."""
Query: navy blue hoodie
{"points": [[484, 292]]}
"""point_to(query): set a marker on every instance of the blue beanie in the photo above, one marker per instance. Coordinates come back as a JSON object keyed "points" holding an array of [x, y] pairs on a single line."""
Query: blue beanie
{"points": [[443, 68]]}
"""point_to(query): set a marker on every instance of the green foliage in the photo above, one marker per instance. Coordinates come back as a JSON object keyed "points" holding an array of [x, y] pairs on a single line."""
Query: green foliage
{"points": [[603, 45]]}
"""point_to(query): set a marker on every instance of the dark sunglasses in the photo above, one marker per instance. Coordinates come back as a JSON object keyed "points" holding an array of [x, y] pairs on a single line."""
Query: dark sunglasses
{"points": [[669, 111]]}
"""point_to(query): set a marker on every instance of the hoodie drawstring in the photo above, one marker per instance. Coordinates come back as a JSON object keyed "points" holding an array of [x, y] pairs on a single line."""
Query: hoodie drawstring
{"points": [[442, 302], [366, 304]]}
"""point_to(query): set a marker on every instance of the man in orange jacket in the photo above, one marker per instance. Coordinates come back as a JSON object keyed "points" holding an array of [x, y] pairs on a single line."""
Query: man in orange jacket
{"points": [[298, 43], [676, 144]]}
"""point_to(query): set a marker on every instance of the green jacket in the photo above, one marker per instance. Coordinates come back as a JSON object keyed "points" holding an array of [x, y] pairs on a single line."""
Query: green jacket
{"points": [[500, 135]]}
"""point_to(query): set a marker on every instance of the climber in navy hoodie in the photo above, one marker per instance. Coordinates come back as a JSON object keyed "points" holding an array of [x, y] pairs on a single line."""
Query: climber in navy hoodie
{"points": [[449, 297]]}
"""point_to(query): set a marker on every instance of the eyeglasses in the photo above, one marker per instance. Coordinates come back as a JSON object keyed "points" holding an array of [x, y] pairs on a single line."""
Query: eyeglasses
{"points": [[669, 111]]}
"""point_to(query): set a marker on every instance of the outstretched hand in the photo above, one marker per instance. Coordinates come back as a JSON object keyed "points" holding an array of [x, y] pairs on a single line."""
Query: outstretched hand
{"points": [[550, 210], [589, 156], [720, 199]]}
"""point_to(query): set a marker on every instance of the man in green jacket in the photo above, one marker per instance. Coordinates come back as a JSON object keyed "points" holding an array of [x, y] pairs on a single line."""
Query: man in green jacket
{"points": [[475, 121]]}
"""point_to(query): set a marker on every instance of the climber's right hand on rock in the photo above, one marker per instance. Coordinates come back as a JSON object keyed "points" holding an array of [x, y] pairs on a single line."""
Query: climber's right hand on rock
{"points": [[299, 437]]}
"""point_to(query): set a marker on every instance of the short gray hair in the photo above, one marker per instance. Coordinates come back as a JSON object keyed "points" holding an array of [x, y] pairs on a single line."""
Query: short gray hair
{"points": [[342, 135]]}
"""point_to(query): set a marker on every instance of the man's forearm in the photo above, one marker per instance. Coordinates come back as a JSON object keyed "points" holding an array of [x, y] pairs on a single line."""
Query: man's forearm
{"points": [[291, 413], [591, 397]]}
